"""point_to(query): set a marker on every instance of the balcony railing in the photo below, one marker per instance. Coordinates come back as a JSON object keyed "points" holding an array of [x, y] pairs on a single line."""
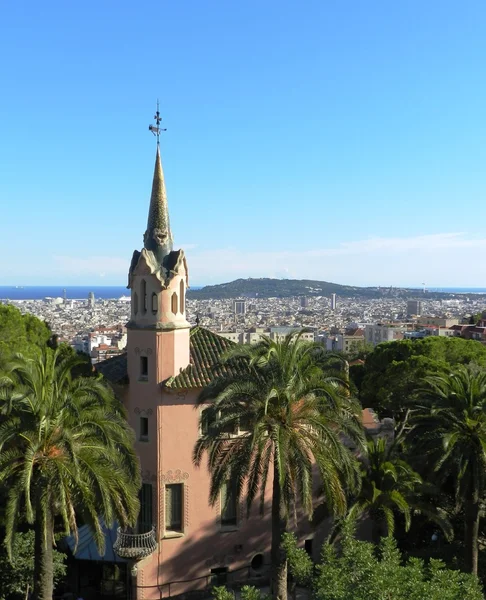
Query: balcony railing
{"points": [[135, 545]]}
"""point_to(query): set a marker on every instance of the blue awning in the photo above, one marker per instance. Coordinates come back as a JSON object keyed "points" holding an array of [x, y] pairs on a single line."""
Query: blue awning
{"points": [[87, 550]]}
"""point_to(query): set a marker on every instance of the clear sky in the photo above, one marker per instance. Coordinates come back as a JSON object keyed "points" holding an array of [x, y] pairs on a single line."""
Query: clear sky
{"points": [[336, 140]]}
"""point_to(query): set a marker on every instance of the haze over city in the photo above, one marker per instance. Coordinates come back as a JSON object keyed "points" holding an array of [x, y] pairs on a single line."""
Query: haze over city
{"points": [[335, 141]]}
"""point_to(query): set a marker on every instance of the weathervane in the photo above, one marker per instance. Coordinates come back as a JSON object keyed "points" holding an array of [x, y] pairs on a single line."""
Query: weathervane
{"points": [[156, 129]]}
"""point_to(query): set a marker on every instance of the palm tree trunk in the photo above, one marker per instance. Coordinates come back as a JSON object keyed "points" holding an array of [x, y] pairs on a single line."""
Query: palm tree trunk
{"points": [[471, 534], [43, 566], [279, 527]]}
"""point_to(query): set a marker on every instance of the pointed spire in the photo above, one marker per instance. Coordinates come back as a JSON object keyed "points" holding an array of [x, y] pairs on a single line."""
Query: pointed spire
{"points": [[158, 237]]}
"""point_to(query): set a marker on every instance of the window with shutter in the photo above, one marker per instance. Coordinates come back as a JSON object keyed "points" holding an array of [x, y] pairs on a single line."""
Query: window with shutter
{"points": [[229, 515], [173, 507], [144, 429], [145, 517]]}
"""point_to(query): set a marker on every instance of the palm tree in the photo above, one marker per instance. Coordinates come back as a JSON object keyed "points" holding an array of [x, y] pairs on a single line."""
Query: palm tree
{"points": [[66, 452], [296, 416], [390, 485], [449, 430]]}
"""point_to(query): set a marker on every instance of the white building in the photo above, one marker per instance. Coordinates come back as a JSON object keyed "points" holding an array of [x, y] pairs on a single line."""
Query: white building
{"points": [[376, 334]]}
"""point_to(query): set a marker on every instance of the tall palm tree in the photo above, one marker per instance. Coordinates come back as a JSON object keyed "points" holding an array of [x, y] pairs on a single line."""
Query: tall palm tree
{"points": [[296, 417], [390, 485], [65, 452], [449, 430]]}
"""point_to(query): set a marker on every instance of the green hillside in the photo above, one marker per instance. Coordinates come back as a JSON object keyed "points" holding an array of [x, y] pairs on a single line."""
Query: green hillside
{"points": [[282, 288]]}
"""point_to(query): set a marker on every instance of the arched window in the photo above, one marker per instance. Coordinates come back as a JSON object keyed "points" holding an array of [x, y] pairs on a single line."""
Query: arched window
{"points": [[182, 297], [174, 303], [155, 303], [135, 303], [143, 292]]}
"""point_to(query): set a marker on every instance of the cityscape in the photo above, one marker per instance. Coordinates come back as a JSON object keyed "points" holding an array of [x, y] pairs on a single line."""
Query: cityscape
{"points": [[243, 300], [98, 326]]}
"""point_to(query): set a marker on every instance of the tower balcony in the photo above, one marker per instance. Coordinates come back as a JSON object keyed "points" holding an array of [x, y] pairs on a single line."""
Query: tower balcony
{"points": [[135, 545]]}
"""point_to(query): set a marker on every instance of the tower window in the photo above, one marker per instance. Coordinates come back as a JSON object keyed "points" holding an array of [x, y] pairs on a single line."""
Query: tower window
{"points": [[135, 303], [144, 429], [144, 296], [173, 507], [155, 303], [174, 303], [182, 297], [143, 367]]}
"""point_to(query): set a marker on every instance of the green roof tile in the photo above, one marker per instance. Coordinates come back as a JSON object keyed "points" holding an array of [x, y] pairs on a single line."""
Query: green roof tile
{"points": [[206, 349]]}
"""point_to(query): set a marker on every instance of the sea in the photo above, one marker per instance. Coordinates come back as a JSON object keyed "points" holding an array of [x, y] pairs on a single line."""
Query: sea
{"points": [[80, 292], [73, 292]]}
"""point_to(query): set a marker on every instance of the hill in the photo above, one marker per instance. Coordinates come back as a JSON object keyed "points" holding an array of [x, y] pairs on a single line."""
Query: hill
{"points": [[283, 288]]}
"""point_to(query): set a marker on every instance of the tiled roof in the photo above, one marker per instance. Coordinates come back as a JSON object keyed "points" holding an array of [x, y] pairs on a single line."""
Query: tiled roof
{"points": [[114, 369], [206, 349]]}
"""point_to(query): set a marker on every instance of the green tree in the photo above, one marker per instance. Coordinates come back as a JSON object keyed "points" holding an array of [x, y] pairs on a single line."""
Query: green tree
{"points": [[389, 486], [393, 372], [17, 573], [21, 333], [294, 415], [66, 451], [449, 431], [357, 571]]}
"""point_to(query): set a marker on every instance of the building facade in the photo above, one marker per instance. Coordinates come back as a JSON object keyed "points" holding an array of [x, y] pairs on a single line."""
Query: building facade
{"points": [[179, 537], [376, 334], [414, 307]]}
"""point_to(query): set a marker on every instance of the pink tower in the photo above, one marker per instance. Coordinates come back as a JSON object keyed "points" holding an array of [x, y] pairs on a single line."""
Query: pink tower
{"points": [[180, 542]]}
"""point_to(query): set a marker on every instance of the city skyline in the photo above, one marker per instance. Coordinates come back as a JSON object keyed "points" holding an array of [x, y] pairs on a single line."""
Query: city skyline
{"points": [[339, 143]]}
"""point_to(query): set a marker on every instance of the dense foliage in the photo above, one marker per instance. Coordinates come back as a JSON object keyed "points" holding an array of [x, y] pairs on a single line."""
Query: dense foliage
{"points": [[391, 487], [393, 371], [449, 432], [21, 333], [358, 571], [66, 451], [17, 573], [294, 414]]}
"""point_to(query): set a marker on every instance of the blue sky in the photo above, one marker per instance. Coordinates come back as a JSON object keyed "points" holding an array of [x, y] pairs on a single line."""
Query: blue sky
{"points": [[336, 140]]}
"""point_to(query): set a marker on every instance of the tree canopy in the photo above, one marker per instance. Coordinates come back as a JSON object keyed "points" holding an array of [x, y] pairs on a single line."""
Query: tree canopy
{"points": [[17, 573], [359, 570], [449, 433], [389, 379], [20, 333], [66, 451]]}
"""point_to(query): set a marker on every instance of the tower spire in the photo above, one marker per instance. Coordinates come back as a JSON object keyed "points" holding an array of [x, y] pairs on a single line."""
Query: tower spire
{"points": [[158, 236]]}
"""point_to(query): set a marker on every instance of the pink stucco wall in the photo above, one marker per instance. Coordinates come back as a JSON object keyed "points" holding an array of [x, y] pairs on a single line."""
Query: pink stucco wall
{"points": [[166, 457], [204, 544]]}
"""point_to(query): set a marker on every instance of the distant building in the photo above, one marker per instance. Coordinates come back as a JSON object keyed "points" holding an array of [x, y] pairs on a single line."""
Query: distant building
{"points": [[240, 307], [376, 334], [333, 301], [414, 307], [91, 300], [348, 342], [304, 301], [438, 321]]}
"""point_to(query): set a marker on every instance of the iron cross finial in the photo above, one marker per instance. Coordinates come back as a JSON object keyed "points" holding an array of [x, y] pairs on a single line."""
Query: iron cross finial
{"points": [[156, 129]]}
